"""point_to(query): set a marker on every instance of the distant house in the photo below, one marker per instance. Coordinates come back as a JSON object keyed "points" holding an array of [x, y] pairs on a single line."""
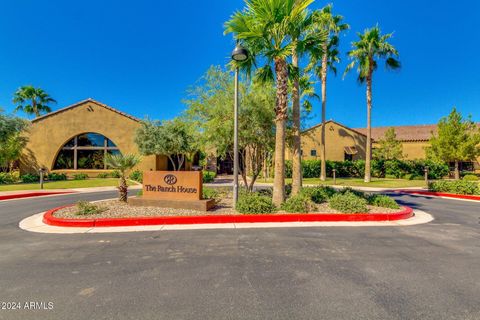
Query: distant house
{"points": [[344, 143]]}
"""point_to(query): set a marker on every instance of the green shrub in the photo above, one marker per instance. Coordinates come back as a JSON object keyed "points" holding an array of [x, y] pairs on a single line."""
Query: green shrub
{"points": [[348, 203], [7, 178], [288, 189], [379, 200], [208, 176], [139, 193], [57, 176], [301, 203], [455, 186], [80, 176], [358, 193], [103, 175], [136, 175], [268, 192], [210, 193], [30, 178], [470, 177], [318, 194], [86, 208], [253, 203], [115, 174]]}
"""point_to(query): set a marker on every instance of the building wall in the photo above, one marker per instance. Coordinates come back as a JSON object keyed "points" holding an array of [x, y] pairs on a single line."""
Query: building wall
{"points": [[48, 135], [337, 138]]}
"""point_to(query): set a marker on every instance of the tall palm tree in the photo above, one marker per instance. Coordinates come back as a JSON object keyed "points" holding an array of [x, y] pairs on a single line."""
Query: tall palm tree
{"points": [[323, 58], [33, 101], [371, 47], [264, 26], [122, 163]]}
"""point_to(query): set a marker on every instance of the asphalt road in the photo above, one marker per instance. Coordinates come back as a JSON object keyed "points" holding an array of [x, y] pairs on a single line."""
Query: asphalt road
{"points": [[429, 271]]}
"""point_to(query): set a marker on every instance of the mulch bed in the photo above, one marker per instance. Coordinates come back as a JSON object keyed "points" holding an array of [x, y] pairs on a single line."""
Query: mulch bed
{"points": [[116, 209]]}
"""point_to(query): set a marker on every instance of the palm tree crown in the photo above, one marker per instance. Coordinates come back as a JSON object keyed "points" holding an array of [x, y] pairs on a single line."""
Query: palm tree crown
{"points": [[31, 100], [371, 47]]}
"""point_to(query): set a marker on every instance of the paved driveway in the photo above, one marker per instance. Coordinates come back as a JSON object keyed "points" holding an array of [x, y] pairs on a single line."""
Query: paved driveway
{"points": [[429, 271]]}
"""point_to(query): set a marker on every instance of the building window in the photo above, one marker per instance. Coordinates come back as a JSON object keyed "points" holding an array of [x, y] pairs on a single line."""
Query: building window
{"points": [[348, 157], [313, 153], [85, 152]]}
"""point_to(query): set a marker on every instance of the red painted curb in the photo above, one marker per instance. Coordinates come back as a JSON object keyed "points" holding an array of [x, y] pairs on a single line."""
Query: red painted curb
{"points": [[31, 195], [49, 219], [441, 194]]}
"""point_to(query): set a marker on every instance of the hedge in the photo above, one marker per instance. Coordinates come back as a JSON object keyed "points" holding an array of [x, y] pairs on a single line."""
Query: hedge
{"points": [[456, 186], [406, 169]]}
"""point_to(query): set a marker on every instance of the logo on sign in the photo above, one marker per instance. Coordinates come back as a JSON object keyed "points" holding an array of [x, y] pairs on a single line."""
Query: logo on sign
{"points": [[170, 179]]}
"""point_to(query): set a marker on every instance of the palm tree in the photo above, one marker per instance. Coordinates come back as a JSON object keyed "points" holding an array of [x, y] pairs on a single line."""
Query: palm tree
{"points": [[122, 163], [264, 27], [371, 47], [33, 101], [323, 58]]}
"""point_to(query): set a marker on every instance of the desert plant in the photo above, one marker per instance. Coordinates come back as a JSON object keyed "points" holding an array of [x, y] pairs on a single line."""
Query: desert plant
{"points": [[30, 178], [8, 178], [208, 176], [80, 176], [210, 193], [470, 177], [300, 203], [103, 175], [85, 208], [122, 163], [253, 203], [317, 194], [115, 174], [136, 175], [57, 176], [348, 202], [379, 200]]}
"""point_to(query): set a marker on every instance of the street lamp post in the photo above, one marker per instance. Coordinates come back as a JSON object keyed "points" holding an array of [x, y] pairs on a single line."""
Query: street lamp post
{"points": [[239, 54]]}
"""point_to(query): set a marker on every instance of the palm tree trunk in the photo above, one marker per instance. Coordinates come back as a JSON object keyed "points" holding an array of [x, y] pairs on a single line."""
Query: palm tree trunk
{"points": [[123, 190], [34, 107], [323, 156], [280, 121], [368, 152], [297, 143]]}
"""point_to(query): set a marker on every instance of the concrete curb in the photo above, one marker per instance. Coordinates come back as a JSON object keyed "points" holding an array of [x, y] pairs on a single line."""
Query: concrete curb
{"points": [[51, 220], [442, 195]]}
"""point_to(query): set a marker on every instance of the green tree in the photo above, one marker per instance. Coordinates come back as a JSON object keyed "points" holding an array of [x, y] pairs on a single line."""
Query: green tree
{"points": [[122, 163], [12, 141], [264, 26], [32, 101], [323, 58], [457, 139], [209, 108], [366, 53], [389, 147], [174, 139]]}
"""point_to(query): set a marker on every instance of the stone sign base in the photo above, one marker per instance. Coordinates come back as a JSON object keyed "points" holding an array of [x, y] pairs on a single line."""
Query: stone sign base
{"points": [[199, 205]]}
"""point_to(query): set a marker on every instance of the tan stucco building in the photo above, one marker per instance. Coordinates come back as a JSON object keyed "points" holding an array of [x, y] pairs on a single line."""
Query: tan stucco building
{"points": [[76, 139], [343, 143]]}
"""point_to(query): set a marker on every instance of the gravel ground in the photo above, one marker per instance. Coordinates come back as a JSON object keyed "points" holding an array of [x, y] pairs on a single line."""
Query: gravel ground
{"points": [[117, 209]]}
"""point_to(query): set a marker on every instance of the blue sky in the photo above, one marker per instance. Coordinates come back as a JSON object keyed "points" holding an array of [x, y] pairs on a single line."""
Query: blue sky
{"points": [[141, 56]]}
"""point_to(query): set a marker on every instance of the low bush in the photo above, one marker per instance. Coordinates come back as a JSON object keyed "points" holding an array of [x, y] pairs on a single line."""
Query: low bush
{"points": [[139, 193], [348, 202], [103, 175], [57, 176], [379, 200], [208, 176], [470, 177], [86, 208], [30, 178], [210, 193], [288, 189], [80, 176], [301, 203], [353, 191], [8, 178], [318, 194], [455, 186], [115, 174], [136, 175], [253, 203]]}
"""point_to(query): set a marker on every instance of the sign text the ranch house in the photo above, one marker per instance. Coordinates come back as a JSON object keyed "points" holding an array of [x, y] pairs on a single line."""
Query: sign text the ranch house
{"points": [[172, 185], [179, 189]]}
